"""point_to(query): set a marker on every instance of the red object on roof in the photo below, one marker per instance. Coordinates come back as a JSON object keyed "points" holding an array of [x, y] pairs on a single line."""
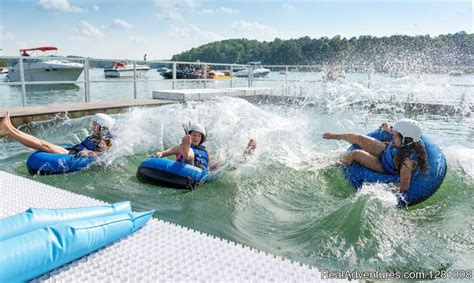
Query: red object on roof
{"points": [[44, 48]]}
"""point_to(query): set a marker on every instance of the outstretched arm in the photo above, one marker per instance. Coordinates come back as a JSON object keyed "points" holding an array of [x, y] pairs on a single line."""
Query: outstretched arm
{"points": [[168, 152]]}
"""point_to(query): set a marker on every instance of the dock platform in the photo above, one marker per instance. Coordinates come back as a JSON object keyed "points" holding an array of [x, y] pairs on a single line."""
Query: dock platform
{"points": [[206, 93], [158, 252], [25, 115]]}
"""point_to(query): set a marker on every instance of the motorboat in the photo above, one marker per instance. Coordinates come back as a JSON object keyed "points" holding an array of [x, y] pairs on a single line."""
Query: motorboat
{"points": [[163, 70], [185, 72], [36, 69], [218, 76], [125, 69], [255, 70], [4, 70]]}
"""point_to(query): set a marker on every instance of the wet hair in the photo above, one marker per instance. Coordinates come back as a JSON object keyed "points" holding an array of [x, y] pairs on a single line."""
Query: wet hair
{"points": [[406, 151], [108, 143]]}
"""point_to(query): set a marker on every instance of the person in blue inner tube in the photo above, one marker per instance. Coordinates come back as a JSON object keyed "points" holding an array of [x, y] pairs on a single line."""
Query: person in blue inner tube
{"points": [[402, 154], [192, 152], [97, 143]]}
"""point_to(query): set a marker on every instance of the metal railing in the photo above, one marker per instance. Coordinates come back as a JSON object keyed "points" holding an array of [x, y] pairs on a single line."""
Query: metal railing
{"points": [[87, 80], [203, 66]]}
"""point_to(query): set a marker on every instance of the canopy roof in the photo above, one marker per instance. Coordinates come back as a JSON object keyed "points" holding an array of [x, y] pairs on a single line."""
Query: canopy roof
{"points": [[43, 48]]}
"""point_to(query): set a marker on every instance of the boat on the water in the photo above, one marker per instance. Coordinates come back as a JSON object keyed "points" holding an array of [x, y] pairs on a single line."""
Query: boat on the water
{"points": [[163, 70], [185, 72], [123, 69], [218, 75], [256, 71], [36, 69]]}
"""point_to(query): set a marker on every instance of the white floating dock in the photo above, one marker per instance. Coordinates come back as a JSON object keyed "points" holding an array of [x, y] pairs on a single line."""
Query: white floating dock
{"points": [[160, 251], [205, 94]]}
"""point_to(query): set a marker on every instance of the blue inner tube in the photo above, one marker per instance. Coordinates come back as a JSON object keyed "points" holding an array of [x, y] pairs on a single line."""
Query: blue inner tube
{"points": [[45, 163], [171, 174], [422, 186]]}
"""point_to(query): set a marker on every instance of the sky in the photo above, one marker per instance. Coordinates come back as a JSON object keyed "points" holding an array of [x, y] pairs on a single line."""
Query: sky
{"points": [[127, 29]]}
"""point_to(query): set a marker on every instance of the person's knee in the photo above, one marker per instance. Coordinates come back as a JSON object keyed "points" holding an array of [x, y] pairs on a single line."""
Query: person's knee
{"points": [[357, 154], [48, 147]]}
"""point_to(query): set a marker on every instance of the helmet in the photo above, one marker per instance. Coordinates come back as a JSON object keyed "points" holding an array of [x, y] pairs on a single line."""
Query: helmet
{"points": [[198, 128], [103, 120], [408, 129]]}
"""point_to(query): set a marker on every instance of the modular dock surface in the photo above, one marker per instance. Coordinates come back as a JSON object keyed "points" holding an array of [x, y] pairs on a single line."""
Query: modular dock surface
{"points": [[160, 251]]}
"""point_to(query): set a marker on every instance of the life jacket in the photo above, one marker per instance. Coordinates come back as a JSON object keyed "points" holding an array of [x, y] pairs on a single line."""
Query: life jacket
{"points": [[201, 158], [88, 143], [389, 157]]}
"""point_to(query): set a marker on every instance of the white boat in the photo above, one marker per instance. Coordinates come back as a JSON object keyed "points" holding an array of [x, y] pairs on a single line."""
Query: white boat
{"points": [[4, 70], [125, 69], [258, 72], [44, 69]]}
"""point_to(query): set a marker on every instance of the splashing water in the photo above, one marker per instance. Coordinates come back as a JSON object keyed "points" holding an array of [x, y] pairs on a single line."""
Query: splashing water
{"points": [[289, 198]]}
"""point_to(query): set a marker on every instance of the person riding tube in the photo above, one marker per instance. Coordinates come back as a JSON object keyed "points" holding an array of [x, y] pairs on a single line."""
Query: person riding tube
{"points": [[400, 155]]}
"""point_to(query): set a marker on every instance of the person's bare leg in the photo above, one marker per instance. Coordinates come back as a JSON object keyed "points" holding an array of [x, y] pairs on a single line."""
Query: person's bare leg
{"points": [[186, 151], [363, 158], [251, 146], [369, 144], [27, 140]]}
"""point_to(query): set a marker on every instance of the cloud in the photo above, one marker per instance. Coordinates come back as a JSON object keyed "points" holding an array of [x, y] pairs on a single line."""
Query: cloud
{"points": [[139, 39], [167, 4], [5, 35], [96, 8], [87, 30], [121, 24], [176, 17], [192, 32], [59, 6], [288, 6], [207, 11], [255, 28], [226, 10]]}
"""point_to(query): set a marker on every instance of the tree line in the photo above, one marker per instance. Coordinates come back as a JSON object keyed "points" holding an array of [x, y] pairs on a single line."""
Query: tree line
{"points": [[422, 53]]}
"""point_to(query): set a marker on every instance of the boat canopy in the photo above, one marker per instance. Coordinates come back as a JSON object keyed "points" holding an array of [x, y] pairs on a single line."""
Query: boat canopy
{"points": [[254, 63], [43, 48]]}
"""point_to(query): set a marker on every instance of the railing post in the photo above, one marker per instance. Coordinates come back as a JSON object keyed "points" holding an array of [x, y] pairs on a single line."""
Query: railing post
{"points": [[22, 78], [87, 83], [250, 76], [174, 75], [231, 76], [286, 75], [205, 75], [134, 80]]}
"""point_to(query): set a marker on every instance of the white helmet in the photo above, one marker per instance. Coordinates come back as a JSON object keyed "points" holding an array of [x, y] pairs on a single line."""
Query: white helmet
{"points": [[103, 120], [198, 128], [408, 128]]}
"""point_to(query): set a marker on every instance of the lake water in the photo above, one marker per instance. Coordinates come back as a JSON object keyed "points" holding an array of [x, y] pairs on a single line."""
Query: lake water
{"points": [[289, 199]]}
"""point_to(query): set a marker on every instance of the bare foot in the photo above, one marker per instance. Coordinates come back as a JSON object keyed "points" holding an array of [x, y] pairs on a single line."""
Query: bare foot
{"points": [[251, 146], [5, 128], [328, 136]]}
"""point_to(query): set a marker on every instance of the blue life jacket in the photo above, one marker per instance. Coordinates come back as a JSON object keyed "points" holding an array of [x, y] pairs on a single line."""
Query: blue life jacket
{"points": [[88, 143], [201, 158], [388, 156]]}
